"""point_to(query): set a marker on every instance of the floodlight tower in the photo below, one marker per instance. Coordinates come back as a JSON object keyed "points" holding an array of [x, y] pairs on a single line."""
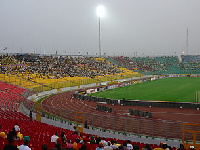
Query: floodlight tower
{"points": [[100, 14]]}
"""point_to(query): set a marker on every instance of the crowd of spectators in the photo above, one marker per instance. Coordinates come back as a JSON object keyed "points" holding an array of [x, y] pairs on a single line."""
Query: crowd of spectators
{"points": [[149, 64], [57, 66], [79, 141], [54, 67]]}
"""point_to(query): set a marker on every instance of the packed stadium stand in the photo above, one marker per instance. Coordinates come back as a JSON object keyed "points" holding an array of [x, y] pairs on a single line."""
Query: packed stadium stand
{"points": [[21, 73], [159, 65], [191, 63]]}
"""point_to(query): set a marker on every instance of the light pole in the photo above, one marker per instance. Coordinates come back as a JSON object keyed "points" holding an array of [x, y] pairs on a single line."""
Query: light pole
{"points": [[100, 14]]}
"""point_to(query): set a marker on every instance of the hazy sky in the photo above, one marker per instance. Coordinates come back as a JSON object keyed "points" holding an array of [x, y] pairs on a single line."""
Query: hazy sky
{"points": [[148, 27]]}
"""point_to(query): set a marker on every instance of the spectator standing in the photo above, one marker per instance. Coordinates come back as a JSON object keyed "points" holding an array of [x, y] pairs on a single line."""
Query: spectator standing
{"points": [[10, 145], [181, 147], [100, 146], [76, 144], [17, 128], [113, 145], [129, 145], [63, 137], [108, 147], [123, 146], [25, 145], [103, 141], [54, 138], [98, 139], [12, 134], [86, 125], [92, 140], [31, 115], [136, 147], [75, 129]]}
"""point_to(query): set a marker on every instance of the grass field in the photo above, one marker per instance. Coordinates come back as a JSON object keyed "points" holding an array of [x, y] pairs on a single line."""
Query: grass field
{"points": [[169, 89]]}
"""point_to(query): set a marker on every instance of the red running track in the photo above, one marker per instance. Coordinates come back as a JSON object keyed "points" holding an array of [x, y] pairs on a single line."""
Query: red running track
{"points": [[66, 106]]}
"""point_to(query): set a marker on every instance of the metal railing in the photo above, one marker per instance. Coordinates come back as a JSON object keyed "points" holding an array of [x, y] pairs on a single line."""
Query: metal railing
{"points": [[127, 125]]}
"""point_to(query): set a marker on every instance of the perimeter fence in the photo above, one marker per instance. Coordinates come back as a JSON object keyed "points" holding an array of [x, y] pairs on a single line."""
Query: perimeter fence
{"points": [[139, 126]]}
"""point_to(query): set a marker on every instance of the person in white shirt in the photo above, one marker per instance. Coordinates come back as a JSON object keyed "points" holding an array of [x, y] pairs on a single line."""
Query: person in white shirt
{"points": [[17, 128], [25, 145], [113, 145], [54, 138], [129, 145], [103, 141], [108, 147]]}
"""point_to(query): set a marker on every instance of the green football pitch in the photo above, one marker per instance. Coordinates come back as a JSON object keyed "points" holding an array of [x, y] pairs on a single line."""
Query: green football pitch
{"points": [[181, 89]]}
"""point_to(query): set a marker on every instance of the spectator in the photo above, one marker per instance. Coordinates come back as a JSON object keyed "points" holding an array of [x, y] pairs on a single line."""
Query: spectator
{"points": [[181, 147], [100, 146], [63, 137], [12, 133], [69, 145], [92, 140], [75, 136], [113, 145], [129, 145], [76, 144], [10, 145], [83, 146], [147, 147], [25, 145], [31, 115], [123, 146], [86, 125], [135, 147], [75, 129], [17, 128], [103, 141], [108, 147], [54, 138], [98, 139]]}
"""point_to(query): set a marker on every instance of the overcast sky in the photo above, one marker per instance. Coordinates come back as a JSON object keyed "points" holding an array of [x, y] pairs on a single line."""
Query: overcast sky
{"points": [[148, 27]]}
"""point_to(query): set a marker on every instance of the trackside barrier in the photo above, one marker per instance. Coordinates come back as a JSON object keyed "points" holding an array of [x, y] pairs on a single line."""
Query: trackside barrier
{"points": [[82, 82], [58, 122], [140, 103], [139, 125]]}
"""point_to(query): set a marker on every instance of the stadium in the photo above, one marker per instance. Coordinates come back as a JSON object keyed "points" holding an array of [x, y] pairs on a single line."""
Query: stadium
{"points": [[96, 95], [99, 75]]}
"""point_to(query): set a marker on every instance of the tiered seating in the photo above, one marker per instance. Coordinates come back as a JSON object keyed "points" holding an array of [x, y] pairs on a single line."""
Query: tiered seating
{"points": [[33, 71], [10, 97], [192, 67], [39, 133], [151, 65]]}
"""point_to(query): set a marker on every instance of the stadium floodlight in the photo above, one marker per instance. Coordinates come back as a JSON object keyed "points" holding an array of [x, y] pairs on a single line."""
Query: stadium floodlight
{"points": [[100, 11], [100, 14]]}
